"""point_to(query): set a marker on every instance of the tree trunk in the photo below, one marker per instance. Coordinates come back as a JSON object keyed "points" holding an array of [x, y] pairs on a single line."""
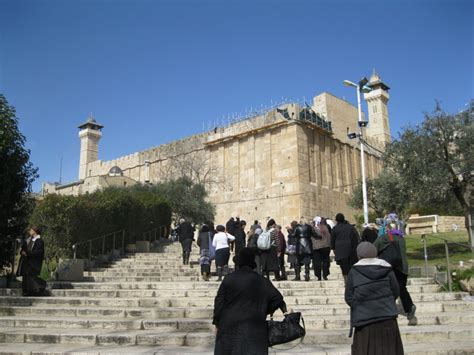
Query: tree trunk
{"points": [[469, 218]]}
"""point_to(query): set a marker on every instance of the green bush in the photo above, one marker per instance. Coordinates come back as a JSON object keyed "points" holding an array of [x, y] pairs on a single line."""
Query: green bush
{"points": [[69, 220]]}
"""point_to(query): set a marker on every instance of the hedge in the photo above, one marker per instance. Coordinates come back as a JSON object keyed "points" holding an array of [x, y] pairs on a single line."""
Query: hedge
{"points": [[67, 220]]}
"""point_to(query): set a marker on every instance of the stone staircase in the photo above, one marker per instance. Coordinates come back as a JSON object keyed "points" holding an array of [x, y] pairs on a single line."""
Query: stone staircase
{"points": [[150, 303]]}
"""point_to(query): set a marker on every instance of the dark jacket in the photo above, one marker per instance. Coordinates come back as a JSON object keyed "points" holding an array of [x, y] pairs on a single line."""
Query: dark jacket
{"points": [[281, 243], [303, 236], [371, 291], [382, 242], [203, 240], [344, 241], [241, 306], [239, 235], [185, 231], [368, 235], [32, 263]]}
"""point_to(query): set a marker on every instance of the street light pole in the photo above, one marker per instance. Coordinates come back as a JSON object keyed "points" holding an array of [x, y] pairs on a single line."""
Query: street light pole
{"points": [[359, 87], [362, 160]]}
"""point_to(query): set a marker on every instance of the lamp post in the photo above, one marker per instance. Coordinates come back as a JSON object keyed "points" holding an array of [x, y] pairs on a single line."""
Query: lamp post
{"points": [[361, 87]]}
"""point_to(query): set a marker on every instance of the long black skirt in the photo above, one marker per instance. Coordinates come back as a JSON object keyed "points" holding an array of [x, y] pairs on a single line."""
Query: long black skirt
{"points": [[269, 260], [378, 338], [222, 257], [33, 285]]}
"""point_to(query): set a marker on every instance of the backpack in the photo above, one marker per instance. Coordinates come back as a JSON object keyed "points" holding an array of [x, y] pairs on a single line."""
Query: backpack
{"points": [[264, 241], [392, 254]]}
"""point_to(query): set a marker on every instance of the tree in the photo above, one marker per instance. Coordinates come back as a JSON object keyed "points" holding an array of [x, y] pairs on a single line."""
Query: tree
{"points": [[17, 174], [187, 199], [435, 160], [385, 194]]}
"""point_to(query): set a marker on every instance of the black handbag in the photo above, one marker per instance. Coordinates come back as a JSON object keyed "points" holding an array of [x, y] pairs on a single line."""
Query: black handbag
{"points": [[287, 330]]}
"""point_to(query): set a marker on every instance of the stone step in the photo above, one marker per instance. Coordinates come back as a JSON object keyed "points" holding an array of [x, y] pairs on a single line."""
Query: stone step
{"points": [[194, 302], [428, 348], [440, 308], [204, 312], [282, 285], [410, 335], [195, 325], [196, 293]]}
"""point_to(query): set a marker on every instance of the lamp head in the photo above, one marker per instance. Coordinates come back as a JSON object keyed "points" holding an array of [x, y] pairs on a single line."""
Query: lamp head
{"points": [[352, 135], [366, 89], [363, 124], [349, 83], [363, 82]]}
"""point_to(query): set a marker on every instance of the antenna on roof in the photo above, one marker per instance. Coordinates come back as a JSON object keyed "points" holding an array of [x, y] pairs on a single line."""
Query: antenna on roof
{"points": [[61, 170]]}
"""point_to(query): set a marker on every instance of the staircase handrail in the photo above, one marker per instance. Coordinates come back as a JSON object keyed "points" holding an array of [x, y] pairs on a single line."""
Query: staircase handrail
{"points": [[446, 249], [103, 237]]}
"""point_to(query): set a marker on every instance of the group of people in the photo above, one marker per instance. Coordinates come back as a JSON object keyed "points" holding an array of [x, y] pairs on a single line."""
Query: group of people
{"points": [[374, 266]]}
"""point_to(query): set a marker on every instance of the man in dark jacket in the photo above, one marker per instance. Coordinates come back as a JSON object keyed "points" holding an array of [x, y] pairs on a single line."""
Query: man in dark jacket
{"points": [[371, 291], [240, 309], [186, 236], [32, 255], [344, 241], [304, 249]]}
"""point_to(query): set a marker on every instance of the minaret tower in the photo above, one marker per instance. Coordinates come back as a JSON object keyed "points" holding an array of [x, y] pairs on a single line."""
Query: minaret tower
{"points": [[89, 134], [377, 100]]}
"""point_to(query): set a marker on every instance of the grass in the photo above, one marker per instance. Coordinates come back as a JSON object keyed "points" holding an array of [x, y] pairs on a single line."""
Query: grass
{"points": [[436, 249]]}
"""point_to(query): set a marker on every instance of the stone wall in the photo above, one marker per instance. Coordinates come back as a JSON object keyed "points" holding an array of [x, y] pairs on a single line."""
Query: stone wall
{"points": [[417, 224]]}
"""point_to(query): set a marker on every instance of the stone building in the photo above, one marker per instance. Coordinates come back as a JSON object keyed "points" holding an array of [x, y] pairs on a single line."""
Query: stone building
{"points": [[287, 163]]}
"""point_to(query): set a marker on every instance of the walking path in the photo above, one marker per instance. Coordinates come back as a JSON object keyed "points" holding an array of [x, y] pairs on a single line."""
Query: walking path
{"points": [[151, 304]]}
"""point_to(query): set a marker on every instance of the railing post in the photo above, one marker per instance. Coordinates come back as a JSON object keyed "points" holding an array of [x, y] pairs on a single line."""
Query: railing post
{"points": [[14, 257], [90, 250], [423, 238], [74, 247], [448, 267], [123, 241]]}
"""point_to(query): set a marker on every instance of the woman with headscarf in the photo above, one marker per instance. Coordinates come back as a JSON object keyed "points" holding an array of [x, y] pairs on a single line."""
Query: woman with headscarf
{"points": [[221, 243], [206, 251], [371, 291], [291, 245], [391, 247], [243, 301], [321, 249], [269, 258]]}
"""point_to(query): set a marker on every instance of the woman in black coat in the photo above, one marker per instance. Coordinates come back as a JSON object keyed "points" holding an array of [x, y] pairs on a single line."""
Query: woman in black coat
{"points": [[371, 291], [269, 258], [32, 256], [206, 250], [241, 306], [304, 249]]}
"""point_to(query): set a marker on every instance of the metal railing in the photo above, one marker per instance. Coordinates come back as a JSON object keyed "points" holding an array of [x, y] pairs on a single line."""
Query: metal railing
{"points": [[150, 235], [446, 250], [155, 233], [103, 237]]}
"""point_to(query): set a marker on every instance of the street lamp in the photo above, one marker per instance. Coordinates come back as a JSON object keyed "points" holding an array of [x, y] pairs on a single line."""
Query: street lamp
{"points": [[361, 87]]}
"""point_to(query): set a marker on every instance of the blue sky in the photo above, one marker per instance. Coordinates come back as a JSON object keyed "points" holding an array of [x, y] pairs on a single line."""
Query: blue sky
{"points": [[154, 71]]}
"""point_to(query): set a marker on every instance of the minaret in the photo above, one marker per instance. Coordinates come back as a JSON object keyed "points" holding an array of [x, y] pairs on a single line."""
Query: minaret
{"points": [[377, 100], [90, 134]]}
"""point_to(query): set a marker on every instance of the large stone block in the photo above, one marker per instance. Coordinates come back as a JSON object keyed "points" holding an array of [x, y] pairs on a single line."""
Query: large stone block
{"points": [[143, 246], [70, 270]]}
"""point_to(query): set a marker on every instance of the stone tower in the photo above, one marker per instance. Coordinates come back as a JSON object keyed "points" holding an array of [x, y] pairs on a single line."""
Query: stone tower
{"points": [[377, 100], [90, 134]]}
